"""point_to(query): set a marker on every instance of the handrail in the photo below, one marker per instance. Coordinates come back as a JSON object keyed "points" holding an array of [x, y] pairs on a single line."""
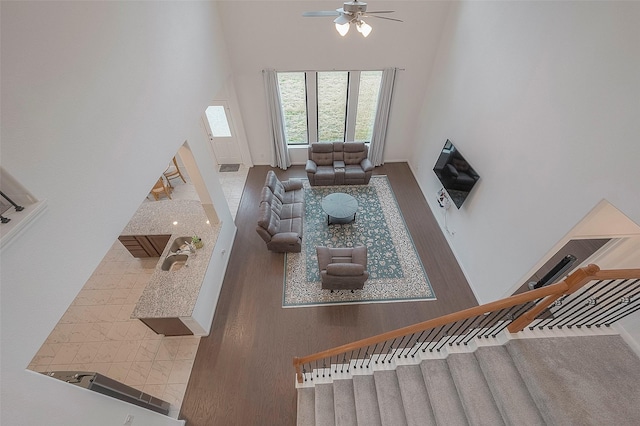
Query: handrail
{"points": [[550, 294]]}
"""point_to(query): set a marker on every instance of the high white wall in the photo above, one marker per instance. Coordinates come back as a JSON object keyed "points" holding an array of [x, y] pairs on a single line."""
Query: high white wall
{"points": [[96, 99], [543, 99], [273, 34]]}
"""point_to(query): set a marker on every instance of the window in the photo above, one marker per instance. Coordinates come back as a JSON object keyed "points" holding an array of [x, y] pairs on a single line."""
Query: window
{"points": [[329, 106], [367, 104], [294, 106]]}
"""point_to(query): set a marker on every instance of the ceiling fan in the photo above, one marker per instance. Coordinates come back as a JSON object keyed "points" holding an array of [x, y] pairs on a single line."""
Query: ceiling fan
{"points": [[351, 12]]}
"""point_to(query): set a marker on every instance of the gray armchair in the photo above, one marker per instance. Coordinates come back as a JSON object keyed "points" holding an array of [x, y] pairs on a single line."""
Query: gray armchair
{"points": [[343, 268]]}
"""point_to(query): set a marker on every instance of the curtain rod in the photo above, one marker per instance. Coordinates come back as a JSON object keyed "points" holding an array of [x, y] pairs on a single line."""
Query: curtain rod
{"points": [[397, 69]]}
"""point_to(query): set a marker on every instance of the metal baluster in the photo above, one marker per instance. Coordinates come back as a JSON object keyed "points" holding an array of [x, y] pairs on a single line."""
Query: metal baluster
{"points": [[417, 345], [603, 318], [17, 207], [372, 354], [390, 354], [504, 313], [453, 333], [399, 346], [571, 304], [408, 346], [381, 350], [615, 305], [344, 361], [435, 341], [565, 303], [464, 327], [428, 339], [516, 314], [600, 297], [611, 299], [447, 335], [487, 318], [622, 315]]}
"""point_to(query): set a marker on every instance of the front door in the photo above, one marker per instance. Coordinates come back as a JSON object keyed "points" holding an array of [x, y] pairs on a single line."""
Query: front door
{"points": [[222, 134]]}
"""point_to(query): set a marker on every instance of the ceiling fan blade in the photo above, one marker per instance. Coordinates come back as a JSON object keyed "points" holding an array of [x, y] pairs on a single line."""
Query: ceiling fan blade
{"points": [[384, 17], [321, 13]]}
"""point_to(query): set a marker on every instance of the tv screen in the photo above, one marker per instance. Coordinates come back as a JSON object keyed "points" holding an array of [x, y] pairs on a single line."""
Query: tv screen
{"points": [[455, 173]]}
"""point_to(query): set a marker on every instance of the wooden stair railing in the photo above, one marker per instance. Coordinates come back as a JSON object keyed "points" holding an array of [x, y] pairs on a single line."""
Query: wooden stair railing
{"points": [[515, 312]]}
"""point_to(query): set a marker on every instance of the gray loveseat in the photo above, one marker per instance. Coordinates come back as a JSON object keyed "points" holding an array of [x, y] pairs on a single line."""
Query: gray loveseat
{"points": [[338, 163], [281, 214]]}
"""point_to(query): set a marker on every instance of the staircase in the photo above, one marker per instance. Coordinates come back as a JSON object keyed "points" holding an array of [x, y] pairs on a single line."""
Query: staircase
{"points": [[590, 380]]}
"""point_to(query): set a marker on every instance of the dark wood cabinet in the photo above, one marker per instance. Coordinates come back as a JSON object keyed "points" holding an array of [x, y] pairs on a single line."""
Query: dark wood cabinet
{"points": [[145, 245]]}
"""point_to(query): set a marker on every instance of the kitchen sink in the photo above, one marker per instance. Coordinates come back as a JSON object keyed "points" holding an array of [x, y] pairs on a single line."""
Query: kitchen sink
{"points": [[179, 244], [175, 262]]}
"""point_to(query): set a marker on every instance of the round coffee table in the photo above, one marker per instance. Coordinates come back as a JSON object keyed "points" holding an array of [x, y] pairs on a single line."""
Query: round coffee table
{"points": [[340, 208]]}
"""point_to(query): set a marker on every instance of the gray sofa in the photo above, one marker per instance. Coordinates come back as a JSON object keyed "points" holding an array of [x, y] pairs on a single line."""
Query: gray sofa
{"points": [[338, 163], [281, 214], [342, 268]]}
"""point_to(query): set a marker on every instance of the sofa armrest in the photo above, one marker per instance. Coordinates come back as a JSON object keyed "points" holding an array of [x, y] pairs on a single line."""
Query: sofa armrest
{"points": [[292, 184], [311, 166], [286, 237], [366, 165]]}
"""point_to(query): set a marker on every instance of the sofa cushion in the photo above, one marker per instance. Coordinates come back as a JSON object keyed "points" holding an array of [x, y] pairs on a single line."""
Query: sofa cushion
{"points": [[321, 153], [292, 210], [345, 269], [353, 172], [325, 172], [267, 219], [267, 197], [290, 225]]}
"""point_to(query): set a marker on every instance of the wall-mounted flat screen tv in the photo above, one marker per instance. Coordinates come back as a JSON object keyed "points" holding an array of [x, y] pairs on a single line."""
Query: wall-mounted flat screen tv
{"points": [[455, 173]]}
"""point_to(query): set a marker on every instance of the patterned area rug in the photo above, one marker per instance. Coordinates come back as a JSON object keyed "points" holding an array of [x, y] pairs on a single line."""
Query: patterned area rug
{"points": [[396, 273]]}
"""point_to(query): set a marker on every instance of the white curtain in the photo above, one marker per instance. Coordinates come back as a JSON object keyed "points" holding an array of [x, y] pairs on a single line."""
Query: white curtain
{"points": [[376, 148], [280, 153]]}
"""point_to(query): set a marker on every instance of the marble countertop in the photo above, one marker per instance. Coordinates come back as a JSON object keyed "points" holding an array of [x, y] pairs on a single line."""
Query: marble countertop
{"points": [[172, 294]]}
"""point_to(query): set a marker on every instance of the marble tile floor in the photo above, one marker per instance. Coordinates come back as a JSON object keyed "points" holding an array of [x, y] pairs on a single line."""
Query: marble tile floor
{"points": [[97, 334]]}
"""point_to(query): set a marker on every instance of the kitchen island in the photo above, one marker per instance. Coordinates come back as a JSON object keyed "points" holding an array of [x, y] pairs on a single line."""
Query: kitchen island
{"points": [[167, 302]]}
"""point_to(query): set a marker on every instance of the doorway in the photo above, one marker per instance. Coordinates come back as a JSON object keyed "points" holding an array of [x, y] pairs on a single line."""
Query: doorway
{"points": [[222, 134]]}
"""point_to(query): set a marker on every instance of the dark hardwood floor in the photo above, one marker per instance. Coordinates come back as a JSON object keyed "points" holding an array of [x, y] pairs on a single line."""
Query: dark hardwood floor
{"points": [[243, 373]]}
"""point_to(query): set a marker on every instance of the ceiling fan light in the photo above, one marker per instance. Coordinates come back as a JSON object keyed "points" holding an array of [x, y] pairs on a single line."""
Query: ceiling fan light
{"points": [[364, 28], [343, 29]]}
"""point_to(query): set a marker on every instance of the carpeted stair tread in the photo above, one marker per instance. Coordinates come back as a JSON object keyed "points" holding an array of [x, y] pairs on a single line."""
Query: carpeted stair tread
{"points": [[389, 398], [447, 408], [507, 386], [344, 403], [364, 391], [324, 407], [417, 406], [473, 390], [306, 403], [581, 380]]}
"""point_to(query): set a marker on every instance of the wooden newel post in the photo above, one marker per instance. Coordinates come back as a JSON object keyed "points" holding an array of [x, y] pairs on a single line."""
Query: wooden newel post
{"points": [[297, 366], [574, 282]]}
